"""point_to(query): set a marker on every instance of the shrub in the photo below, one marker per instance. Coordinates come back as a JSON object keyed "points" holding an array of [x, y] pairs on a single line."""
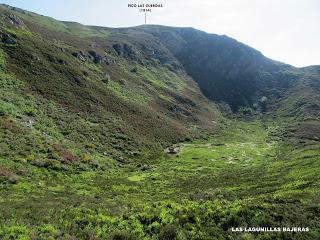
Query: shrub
{"points": [[134, 70], [246, 111], [263, 103], [121, 235], [168, 232], [86, 158], [106, 79]]}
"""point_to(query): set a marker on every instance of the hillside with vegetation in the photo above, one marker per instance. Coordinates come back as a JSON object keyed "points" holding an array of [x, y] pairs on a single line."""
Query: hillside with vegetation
{"points": [[151, 132]]}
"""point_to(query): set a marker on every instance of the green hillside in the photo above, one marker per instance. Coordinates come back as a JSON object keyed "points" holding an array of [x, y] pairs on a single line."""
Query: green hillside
{"points": [[151, 132]]}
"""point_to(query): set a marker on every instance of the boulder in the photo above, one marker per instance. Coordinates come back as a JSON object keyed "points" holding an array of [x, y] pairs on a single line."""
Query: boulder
{"points": [[9, 41], [35, 58], [172, 150]]}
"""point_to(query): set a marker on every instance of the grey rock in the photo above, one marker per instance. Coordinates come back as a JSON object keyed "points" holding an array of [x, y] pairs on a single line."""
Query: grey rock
{"points": [[172, 150], [61, 62], [35, 58], [9, 41], [96, 58], [15, 20], [80, 56], [124, 50], [7, 38], [109, 61]]}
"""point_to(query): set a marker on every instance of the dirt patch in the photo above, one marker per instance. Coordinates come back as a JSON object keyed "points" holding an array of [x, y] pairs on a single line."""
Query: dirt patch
{"points": [[5, 172], [8, 175], [65, 154]]}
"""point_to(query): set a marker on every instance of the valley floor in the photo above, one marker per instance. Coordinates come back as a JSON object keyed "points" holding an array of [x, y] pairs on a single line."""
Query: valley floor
{"points": [[245, 176]]}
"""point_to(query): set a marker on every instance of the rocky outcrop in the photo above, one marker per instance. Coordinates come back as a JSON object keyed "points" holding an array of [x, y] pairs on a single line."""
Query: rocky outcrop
{"points": [[15, 20], [7, 38], [109, 61], [95, 57], [80, 56], [173, 150], [124, 50]]}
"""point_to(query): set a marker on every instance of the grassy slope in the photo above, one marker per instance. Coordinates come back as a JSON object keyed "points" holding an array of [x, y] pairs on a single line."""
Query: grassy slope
{"points": [[55, 99], [299, 107]]}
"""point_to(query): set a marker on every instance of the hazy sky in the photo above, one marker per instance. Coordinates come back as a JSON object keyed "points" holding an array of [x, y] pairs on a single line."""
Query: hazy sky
{"points": [[284, 30]]}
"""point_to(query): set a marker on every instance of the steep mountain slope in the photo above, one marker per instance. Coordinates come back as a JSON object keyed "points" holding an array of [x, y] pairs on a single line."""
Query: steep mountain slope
{"points": [[300, 105], [231, 72], [89, 86], [226, 70]]}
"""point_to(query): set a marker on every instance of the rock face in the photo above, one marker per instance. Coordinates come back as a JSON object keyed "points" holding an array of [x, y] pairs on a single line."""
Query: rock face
{"points": [[13, 19], [95, 57], [7, 38], [80, 56], [109, 61], [124, 50]]}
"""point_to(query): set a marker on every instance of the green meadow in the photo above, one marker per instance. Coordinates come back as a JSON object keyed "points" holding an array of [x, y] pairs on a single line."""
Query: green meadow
{"points": [[243, 176]]}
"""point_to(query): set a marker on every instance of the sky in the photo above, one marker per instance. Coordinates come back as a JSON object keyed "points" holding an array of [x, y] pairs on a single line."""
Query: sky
{"points": [[284, 30]]}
